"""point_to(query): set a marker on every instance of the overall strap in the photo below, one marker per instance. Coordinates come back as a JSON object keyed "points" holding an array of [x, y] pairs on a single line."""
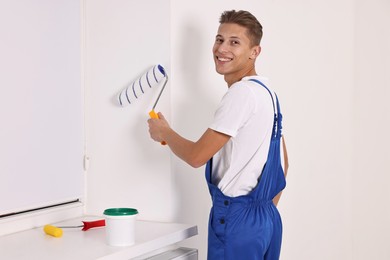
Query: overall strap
{"points": [[277, 129]]}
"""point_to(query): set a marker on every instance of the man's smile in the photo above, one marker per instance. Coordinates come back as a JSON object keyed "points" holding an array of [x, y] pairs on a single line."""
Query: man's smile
{"points": [[224, 59]]}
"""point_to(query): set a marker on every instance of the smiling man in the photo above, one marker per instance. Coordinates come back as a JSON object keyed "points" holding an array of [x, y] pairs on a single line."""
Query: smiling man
{"points": [[235, 52], [243, 147]]}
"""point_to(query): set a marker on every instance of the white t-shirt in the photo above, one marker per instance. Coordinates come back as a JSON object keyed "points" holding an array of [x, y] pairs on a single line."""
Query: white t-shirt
{"points": [[246, 113]]}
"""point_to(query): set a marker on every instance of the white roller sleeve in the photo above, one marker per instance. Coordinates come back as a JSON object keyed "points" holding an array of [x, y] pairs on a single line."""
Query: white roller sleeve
{"points": [[140, 86]]}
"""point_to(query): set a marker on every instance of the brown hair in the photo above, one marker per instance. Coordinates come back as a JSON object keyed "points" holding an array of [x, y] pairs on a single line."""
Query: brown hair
{"points": [[247, 20]]}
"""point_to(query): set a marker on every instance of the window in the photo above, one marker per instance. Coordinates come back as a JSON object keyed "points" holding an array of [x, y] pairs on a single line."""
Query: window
{"points": [[41, 104]]}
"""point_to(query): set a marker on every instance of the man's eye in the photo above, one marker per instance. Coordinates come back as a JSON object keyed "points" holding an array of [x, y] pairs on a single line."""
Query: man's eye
{"points": [[235, 42], [218, 40]]}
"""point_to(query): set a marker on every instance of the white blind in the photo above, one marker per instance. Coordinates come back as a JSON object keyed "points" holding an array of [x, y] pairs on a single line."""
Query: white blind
{"points": [[41, 104]]}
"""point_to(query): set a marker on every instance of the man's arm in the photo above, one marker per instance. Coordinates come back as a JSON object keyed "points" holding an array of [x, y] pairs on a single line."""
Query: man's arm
{"points": [[196, 153]]}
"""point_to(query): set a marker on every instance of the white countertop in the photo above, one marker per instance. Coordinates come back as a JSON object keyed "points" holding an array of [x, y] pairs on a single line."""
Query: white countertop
{"points": [[76, 244]]}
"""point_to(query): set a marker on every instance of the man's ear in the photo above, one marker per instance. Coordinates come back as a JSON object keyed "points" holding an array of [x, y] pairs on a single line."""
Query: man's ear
{"points": [[255, 52]]}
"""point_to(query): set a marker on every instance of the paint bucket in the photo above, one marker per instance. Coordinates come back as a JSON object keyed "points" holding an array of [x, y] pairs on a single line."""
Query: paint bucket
{"points": [[120, 226]]}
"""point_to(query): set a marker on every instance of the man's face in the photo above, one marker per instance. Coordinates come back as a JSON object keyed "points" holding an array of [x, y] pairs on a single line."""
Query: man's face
{"points": [[232, 50]]}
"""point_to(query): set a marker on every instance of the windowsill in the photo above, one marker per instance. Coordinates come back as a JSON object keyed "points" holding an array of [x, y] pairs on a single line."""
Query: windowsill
{"points": [[91, 244], [17, 223]]}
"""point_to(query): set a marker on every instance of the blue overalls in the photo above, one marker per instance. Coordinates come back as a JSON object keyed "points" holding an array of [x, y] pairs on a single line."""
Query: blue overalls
{"points": [[249, 227]]}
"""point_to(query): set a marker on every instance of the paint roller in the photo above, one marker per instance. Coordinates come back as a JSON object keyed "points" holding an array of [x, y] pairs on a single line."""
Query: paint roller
{"points": [[56, 231], [138, 87]]}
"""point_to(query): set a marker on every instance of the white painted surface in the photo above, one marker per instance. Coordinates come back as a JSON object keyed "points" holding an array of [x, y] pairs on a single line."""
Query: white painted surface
{"points": [[370, 193], [127, 169], [76, 244]]}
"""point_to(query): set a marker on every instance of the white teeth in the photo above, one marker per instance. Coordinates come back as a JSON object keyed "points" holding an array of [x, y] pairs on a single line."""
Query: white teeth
{"points": [[224, 59]]}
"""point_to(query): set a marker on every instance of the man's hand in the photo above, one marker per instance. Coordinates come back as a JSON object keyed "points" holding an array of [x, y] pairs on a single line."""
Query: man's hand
{"points": [[157, 127]]}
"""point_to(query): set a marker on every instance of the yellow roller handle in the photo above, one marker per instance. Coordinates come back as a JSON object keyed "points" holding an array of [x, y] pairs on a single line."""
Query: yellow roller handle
{"points": [[53, 231], [154, 115]]}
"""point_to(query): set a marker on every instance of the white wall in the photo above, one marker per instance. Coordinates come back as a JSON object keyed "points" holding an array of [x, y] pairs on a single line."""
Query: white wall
{"points": [[370, 179], [123, 40], [314, 54]]}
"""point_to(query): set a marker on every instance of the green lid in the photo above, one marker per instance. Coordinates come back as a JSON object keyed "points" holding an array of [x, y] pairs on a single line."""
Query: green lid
{"points": [[120, 212]]}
